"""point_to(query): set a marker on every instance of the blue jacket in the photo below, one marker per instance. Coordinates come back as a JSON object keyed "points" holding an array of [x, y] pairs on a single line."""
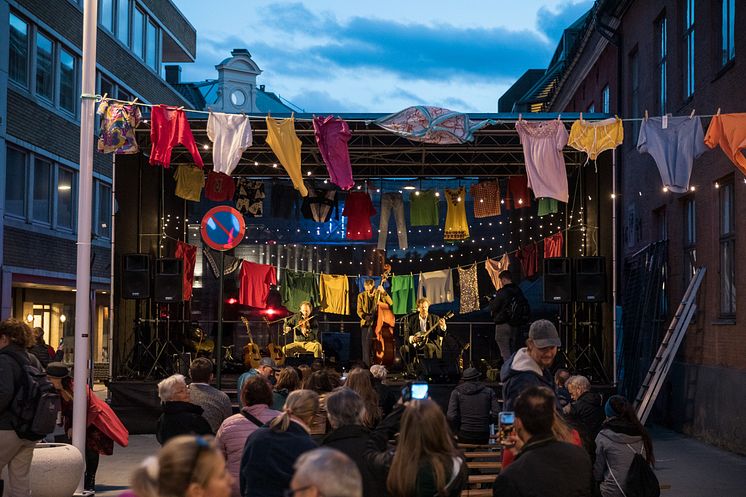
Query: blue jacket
{"points": [[519, 373]]}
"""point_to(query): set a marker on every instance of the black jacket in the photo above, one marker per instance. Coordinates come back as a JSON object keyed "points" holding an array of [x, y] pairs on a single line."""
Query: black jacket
{"points": [[412, 326], [352, 441], [519, 373], [181, 418], [546, 467], [499, 305], [586, 415], [41, 352], [472, 407], [386, 397], [10, 376]]}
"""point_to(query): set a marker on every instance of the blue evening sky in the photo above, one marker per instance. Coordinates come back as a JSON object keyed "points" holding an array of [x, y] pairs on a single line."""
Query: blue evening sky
{"points": [[382, 55]]}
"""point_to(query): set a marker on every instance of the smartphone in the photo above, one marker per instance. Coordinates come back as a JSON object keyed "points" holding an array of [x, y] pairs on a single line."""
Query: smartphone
{"points": [[507, 418], [415, 391]]}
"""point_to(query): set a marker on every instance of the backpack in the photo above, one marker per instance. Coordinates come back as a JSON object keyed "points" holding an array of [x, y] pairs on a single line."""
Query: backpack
{"points": [[641, 480], [35, 404], [518, 310]]}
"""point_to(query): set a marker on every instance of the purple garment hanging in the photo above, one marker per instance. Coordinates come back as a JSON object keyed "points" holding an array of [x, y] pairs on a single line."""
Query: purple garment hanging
{"points": [[332, 135]]}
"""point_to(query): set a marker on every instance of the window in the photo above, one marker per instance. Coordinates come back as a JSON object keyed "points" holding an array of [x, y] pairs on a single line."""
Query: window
{"points": [[690, 239], [661, 62], [605, 100], [634, 91], [123, 21], [729, 31], [65, 198], [42, 192], [106, 14], [15, 182], [18, 55], [44, 67], [151, 44], [67, 81], [727, 251], [102, 211], [138, 34], [689, 51]]}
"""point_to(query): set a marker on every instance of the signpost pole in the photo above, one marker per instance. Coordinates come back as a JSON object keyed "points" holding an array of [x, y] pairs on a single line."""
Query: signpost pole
{"points": [[219, 352]]}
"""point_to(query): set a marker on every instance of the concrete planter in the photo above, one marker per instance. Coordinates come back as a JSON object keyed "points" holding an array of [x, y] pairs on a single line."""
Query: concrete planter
{"points": [[56, 470]]}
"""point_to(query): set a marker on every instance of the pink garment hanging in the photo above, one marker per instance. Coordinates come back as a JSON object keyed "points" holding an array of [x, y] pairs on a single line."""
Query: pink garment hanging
{"points": [[332, 135], [494, 268], [188, 254], [168, 128], [553, 245], [545, 164]]}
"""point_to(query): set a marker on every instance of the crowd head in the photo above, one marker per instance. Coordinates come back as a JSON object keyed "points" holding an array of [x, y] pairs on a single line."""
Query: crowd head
{"points": [[256, 390], [326, 472], [577, 386], [300, 404], [534, 412], [15, 331], [173, 388], [543, 342], [288, 379], [200, 370], [344, 407]]}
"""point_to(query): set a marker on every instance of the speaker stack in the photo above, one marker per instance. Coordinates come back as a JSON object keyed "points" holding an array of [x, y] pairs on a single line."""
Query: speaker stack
{"points": [[136, 276], [168, 281], [590, 279], [585, 282], [557, 280]]}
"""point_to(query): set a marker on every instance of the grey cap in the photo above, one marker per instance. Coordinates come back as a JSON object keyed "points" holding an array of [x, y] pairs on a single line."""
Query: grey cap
{"points": [[544, 334], [267, 361]]}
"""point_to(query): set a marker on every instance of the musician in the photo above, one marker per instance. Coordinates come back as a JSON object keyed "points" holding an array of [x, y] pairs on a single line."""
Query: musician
{"points": [[418, 324], [305, 331], [367, 305]]}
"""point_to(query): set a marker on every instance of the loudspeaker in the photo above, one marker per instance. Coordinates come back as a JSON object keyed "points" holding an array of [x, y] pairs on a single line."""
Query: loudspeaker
{"points": [[168, 281], [135, 276], [440, 371], [557, 280], [590, 279], [336, 345]]}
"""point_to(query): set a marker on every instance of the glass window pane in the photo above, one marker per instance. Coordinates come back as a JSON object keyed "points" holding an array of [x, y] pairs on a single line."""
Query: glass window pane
{"points": [[18, 63], [106, 87], [727, 278], [726, 209], [152, 46], [103, 228], [67, 81], [123, 20], [65, 198], [15, 182], [106, 14], [42, 199], [44, 67], [138, 20]]}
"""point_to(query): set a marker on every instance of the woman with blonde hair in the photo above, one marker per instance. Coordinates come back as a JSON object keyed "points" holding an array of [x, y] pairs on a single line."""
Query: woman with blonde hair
{"points": [[360, 381], [186, 466], [270, 452]]}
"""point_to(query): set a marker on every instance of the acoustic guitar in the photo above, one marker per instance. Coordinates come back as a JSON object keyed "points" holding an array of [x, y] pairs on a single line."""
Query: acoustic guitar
{"points": [[251, 353], [275, 351], [419, 338]]}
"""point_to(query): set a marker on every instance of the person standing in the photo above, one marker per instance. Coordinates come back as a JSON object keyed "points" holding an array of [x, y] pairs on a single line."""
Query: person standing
{"points": [[367, 305], [501, 308], [215, 403], [415, 327], [305, 331], [472, 408]]}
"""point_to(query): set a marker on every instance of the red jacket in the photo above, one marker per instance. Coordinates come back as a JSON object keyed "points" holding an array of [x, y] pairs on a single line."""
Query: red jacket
{"points": [[101, 417]]}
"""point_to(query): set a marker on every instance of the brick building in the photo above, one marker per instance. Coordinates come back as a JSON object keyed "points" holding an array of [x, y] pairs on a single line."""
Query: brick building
{"points": [[677, 56], [40, 64]]}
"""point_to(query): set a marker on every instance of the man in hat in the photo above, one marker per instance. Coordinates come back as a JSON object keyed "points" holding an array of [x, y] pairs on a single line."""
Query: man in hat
{"points": [[267, 368], [529, 366], [471, 409]]}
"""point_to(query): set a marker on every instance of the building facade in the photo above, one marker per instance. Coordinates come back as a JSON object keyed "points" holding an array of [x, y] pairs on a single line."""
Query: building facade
{"points": [[40, 86]]}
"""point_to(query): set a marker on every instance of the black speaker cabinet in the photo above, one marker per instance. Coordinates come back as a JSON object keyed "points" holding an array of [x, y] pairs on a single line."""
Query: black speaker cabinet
{"points": [[135, 276], [167, 287], [590, 279], [557, 280], [440, 371]]}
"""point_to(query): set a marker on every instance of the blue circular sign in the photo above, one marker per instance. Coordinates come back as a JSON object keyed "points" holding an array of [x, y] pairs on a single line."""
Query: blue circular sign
{"points": [[223, 228]]}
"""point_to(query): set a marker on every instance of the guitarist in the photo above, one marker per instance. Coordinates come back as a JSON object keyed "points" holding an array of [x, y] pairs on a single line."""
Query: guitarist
{"points": [[305, 332], [421, 322], [367, 305]]}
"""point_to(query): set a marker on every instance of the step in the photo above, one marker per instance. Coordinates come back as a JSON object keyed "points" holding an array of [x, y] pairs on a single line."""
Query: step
{"points": [[489, 465], [477, 492], [487, 454], [481, 479]]}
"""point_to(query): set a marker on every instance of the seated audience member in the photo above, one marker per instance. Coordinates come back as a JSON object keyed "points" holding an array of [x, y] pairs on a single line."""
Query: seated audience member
{"points": [[287, 381], [345, 408], [321, 382], [215, 403], [560, 429], [586, 412], [621, 436], [425, 462], [560, 387], [180, 417], [472, 408], [267, 368], [271, 452], [361, 381], [233, 433], [304, 372], [326, 472], [544, 465], [386, 397], [186, 466]]}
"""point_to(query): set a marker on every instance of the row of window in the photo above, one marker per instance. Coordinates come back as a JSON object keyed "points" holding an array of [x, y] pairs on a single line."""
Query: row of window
{"points": [[43, 192], [42, 65], [133, 27]]}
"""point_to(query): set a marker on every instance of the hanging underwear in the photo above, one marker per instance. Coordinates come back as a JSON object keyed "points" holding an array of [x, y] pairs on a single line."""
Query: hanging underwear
{"points": [[596, 137]]}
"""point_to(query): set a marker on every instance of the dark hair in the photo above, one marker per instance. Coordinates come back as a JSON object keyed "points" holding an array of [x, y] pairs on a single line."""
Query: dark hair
{"points": [[561, 376], [626, 412], [288, 379], [319, 382], [200, 370], [369, 282], [256, 390], [535, 408], [39, 335], [505, 274], [17, 332]]}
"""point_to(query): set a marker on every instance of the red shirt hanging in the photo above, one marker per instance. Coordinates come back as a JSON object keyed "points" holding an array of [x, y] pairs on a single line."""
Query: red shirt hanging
{"points": [[188, 254], [553, 245], [358, 209], [168, 128], [518, 196], [254, 281], [220, 187], [529, 260]]}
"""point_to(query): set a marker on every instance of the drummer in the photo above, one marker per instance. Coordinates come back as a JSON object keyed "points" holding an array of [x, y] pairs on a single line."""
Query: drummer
{"points": [[305, 331]]}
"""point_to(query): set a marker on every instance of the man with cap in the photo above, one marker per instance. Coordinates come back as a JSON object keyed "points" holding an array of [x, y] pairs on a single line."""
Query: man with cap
{"points": [[267, 368], [529, 366], [471, 409]]}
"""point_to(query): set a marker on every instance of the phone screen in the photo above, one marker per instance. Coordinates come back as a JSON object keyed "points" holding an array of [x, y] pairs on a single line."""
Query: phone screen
{"points": [[419, 391], [507, 418]]}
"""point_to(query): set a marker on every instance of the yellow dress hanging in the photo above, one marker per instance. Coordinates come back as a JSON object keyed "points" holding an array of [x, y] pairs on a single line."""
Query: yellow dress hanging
{"points": [[456, 225]]}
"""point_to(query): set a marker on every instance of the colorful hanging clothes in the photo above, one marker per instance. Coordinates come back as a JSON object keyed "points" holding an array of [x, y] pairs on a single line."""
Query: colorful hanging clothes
{"points": [[436, 286], [547, 206], [220, 187], [553, 245], [334, 291], [674, 143], [230, 263], [456, 226], [286, 145], [189, 182], [423, 208], [250, 197], [297, 287], [597, 136], [319, 205], [168, 128], [518, 196], [231, 136], [486, 195], [432, 125], [545, 163], [118, 123], [358, 210], [402, 293], [254, 281], [188, 255], [469, 291], [392, 201], [332, 135], [494, 268], [529, 259], [728, 131]]}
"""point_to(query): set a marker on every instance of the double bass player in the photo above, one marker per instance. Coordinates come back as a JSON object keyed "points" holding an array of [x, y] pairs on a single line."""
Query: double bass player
{"points": [[367, 306]]}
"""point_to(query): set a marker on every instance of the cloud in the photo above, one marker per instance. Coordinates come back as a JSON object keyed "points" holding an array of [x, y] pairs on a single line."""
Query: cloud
{"points": [[320, 101], [552, 22]]}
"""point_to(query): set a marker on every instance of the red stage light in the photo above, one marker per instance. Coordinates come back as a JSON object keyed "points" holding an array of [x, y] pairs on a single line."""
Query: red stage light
{"points": [[231, 300], [270, 312]]}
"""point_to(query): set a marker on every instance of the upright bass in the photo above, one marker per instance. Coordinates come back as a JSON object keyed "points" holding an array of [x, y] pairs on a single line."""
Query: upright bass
{"points": [[384, 342]]}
